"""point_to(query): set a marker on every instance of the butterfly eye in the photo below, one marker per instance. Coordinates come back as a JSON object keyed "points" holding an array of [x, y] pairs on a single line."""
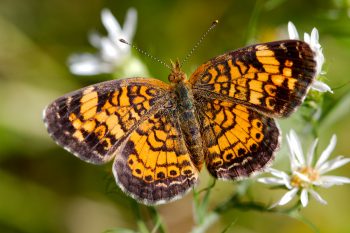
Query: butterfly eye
{"points": [[171, 78], [176, 76]]}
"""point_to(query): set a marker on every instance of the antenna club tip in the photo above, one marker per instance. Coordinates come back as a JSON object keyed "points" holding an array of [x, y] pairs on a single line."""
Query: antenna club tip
{"points": [[215, 22], [123, 41]]}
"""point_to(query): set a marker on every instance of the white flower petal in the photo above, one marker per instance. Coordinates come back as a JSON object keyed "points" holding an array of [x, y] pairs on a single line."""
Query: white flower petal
{"points": [[327, 152], [282, 175], [288, 196], [109, 51], [295, 147], [294, 164], [307, 39], [333, 164], [314, 38], [311, 152], [292, 31], [95, 39], [110, 23], [270, 180], [130, 24], [87, 64], [304, 198], [328, 181], [319, 58], [317, 197], [277, 173], [320, 86]]}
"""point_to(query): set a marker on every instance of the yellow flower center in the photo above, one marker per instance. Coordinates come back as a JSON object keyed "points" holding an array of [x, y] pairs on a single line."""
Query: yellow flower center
{"points": [[309, 172]]}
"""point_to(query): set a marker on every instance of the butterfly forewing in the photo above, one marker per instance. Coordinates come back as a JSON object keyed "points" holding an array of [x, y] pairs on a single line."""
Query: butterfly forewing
{"points": [[93, 121], [272, 78]]}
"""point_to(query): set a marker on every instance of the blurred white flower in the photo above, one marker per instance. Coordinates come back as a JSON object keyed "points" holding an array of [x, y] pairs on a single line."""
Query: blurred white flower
{"points": [[305, 175], [312, 40], [112, 53]]}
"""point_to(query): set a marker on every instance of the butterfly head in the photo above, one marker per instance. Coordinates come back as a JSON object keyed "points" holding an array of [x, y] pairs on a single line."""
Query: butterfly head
{"points": [[176, 75]]}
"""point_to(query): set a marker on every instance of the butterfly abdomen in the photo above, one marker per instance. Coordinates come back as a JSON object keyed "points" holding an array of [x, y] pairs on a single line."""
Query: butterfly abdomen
{"points": [[189, 123]]}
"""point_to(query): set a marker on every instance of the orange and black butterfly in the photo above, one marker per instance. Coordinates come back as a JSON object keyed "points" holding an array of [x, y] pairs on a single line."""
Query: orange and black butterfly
{"points": [[160, 135]]}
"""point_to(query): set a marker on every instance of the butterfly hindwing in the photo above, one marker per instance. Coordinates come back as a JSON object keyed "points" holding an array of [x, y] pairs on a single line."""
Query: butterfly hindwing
{"points": [[154, 165], [93, 121], [237, 140], [272, 78]]}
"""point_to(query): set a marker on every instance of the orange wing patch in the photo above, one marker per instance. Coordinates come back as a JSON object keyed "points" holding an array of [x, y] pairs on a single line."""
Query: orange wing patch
{"points": [[154, 165]]}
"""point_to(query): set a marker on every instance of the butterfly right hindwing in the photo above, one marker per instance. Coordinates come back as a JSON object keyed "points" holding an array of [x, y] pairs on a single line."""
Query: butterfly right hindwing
{"points": [[237, 140]]}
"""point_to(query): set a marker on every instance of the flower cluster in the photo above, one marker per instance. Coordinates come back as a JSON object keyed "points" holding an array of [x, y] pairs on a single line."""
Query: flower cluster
{"points": [[112, 54], [305, 175]]}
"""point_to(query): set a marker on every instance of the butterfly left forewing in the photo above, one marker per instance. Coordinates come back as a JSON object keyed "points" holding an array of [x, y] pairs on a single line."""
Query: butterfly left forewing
{"points": [[93, 121], [272, 78]]}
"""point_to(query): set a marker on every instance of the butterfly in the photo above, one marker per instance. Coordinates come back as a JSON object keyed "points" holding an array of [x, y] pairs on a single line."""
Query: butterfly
{"points": [[160, 135]]}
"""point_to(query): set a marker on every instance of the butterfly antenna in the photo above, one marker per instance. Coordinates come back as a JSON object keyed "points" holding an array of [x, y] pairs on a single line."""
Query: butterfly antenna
{"points": [[212, 26], [145, 53]]}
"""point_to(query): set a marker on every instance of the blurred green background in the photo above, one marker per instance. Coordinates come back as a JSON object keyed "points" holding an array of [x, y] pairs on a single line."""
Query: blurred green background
{"points": [[45, 189]]}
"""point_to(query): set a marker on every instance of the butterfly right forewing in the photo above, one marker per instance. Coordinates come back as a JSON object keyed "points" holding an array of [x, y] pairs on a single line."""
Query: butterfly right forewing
{"points": [[272, 78]]}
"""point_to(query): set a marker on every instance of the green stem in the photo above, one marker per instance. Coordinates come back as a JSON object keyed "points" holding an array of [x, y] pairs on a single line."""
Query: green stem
{"points": [[208, 221], [201, 205], [142, 228], [158, 222], [208, 188]]}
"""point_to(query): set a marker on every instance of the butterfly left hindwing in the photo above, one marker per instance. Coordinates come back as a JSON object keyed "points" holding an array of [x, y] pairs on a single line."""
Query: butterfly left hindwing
{"points": [[154, 164]]}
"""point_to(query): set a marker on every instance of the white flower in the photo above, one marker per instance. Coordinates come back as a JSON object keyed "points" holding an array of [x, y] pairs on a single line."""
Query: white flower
{"points": [[312, 40], [305, 175], [112, 53]]}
